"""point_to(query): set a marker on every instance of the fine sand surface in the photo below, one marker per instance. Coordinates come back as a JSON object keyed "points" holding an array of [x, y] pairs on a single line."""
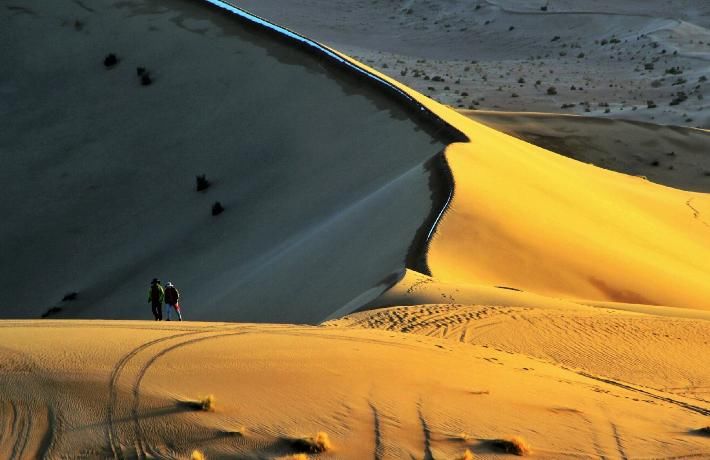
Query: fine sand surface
{"points": [[567, 304], [669, 155], [325, 180], [410, 397], [603, 58], [664, 349]]}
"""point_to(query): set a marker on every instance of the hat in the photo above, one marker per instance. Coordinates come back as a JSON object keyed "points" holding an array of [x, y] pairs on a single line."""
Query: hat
{"points": [[155, 281], [169, 284]]}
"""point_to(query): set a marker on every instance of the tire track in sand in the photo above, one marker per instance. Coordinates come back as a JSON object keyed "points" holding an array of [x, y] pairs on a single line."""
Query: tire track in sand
{"points": [[114, 440], [134, 415]]}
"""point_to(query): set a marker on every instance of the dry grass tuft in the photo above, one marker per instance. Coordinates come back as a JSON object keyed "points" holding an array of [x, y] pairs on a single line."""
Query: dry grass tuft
{"points": [[206, 404], [197, 455], [241, 431], [515, 445], [314, 445], [467, 455]]}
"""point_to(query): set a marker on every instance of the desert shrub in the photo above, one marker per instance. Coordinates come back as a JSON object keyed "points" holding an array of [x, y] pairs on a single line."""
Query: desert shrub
{"points": [[467, 455], [146, 79], [51, 311], [515, 445], [206, 404], [551, 91], [650, 104], [202, 183], [140, 71], [674, 70], [679, 97], [110, 60], [217, 208], [313, 444]]}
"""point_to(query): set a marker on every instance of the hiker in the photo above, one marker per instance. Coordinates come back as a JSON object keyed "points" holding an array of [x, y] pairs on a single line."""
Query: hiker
{"points": [[156, 295], [172, 297]]}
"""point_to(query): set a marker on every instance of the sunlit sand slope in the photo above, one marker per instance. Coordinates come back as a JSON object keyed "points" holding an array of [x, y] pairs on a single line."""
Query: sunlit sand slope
{"points": [[323, 177], [668, 155], [411, 397], [525, 217]]}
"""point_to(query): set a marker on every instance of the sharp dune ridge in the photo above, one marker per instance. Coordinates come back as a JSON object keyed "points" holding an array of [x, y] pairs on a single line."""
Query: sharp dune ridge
{"points": [[484, 296]]}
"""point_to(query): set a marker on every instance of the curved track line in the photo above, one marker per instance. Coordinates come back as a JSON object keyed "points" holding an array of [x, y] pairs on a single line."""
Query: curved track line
{"points": [[141, 374], [111, 435], [684, 405]]}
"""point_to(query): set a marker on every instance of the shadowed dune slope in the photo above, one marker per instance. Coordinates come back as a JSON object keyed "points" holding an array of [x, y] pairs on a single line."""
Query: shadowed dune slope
{"points": [[323, 176], [272, 384]]}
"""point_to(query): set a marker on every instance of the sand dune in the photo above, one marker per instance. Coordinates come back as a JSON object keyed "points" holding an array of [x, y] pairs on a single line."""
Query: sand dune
{"points": [[568, 304], [325, 177], [527, 218], [411, 397], [668, 155]]}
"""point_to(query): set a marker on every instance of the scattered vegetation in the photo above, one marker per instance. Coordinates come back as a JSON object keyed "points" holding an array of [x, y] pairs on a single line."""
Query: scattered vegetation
{"points": [[146, 79], [217, 208], [313, 444], [202, 183], [51, 311], [467, 455], [206, 404], [674, 71], [551, 91], [110, 60], [515, 445], [680, 96]]}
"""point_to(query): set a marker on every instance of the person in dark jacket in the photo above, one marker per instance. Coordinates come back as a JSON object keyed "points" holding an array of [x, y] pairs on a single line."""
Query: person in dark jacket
{"points": [[172, 298], [156, 295]]}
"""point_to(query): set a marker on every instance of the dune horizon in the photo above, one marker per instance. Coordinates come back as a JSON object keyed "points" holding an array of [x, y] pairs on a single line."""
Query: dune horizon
{"points": [[365, 272]]}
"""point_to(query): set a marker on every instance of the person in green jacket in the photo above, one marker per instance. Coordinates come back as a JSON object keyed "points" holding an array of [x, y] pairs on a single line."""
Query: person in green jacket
{"points": [[156, 295]]}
